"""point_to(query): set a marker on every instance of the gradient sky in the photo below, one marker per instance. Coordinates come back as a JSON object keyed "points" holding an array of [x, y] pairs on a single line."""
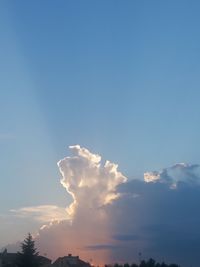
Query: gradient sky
{"points": [[118, 77]]}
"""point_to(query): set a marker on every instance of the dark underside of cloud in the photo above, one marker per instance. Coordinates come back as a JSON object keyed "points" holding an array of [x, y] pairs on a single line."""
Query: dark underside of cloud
{"points": [[157, 221]]}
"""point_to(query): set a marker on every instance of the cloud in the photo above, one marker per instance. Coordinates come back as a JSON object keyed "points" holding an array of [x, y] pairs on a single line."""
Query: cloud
{"points": [[43, 213], [180, 172], [114, 219], [93, 187], [151, 176], [88, 181], [163, 220]]}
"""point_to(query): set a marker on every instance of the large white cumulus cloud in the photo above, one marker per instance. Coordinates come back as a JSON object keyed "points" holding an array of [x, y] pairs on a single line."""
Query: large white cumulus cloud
{"points": [[90, 183], [93, 187]]}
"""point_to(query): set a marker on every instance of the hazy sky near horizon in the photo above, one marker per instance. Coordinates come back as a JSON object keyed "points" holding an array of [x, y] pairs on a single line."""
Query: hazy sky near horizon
{"points": [[118, 77]]}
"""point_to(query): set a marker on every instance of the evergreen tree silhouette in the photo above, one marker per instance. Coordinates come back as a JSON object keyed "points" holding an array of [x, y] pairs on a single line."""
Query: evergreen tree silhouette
{"points": [[29, 255]]}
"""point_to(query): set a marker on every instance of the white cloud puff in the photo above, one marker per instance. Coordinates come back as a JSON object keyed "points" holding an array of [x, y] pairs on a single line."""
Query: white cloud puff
{"points": [[90, 183], [151, 176]]}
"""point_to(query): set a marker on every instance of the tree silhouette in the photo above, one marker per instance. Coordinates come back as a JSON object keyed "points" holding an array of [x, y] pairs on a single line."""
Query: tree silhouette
{"points": [[151, 263], [144, 263], [29, 255]]}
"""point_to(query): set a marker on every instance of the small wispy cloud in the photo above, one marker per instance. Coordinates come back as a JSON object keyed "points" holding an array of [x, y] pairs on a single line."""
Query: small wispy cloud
{"points": [[42, 213]]}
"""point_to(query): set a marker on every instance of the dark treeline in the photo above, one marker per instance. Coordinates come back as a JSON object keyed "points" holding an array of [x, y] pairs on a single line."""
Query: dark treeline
{"points": [[143, 263], [29, 257]]}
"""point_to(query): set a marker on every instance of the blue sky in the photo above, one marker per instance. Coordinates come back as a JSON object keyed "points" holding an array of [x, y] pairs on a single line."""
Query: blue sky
{"points": [[118, 77]]}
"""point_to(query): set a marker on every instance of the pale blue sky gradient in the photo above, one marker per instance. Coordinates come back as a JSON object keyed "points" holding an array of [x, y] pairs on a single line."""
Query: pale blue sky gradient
{"points": [[118, 77]]}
